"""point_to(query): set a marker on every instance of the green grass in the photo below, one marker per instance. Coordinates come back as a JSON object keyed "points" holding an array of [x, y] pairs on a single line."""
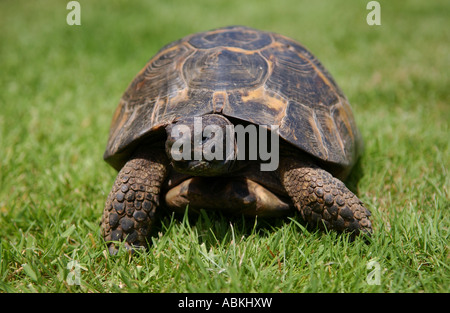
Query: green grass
{"points": [[60, 85]]}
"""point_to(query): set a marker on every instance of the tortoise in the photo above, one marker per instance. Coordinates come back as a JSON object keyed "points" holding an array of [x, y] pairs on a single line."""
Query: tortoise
{"points": [[224, 78]]}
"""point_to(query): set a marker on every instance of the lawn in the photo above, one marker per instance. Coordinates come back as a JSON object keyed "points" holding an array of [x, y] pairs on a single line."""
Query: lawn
{"points": [[60, 85]]}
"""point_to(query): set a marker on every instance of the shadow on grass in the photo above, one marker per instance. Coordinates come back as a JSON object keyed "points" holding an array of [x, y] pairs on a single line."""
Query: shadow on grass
{"points": [[215, 228]]}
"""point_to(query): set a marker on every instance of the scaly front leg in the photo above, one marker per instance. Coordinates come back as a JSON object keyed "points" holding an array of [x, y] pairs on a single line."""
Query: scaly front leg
{"points": [[129, 212], [323, 199]]}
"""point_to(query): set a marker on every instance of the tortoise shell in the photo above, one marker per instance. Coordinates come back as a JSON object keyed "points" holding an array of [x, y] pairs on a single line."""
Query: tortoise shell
{"points": [[254, 76]]}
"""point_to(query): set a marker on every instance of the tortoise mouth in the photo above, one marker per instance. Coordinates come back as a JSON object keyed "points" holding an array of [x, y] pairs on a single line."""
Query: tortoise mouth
{"points": [[207, 168], [229, 195]]}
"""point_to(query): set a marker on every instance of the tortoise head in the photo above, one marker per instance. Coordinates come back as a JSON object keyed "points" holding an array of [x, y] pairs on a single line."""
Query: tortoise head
{"points": [[202, 146]]}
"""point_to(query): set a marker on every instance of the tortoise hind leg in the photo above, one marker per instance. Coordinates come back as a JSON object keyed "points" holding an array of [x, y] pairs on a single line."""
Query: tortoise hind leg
{"points": [[130, 208], [323, 199]]}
